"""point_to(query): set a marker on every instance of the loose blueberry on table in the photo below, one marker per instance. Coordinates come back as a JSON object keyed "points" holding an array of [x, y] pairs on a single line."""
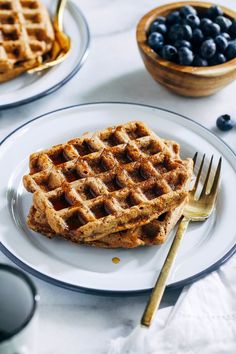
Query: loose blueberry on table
{"points": [[187, 37], [225, 122]]}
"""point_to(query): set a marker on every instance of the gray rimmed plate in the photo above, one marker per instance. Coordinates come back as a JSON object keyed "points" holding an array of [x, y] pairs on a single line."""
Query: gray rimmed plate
{"points": [[205, 247]]}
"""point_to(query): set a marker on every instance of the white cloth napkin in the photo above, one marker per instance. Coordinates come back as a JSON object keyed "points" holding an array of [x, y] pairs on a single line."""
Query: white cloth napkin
{"points": [[203, 321]]}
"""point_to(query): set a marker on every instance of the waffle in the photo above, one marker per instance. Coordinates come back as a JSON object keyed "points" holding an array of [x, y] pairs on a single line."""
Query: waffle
{"points": [[141, 182], [26, 34], [153, 233], [77, 158]]}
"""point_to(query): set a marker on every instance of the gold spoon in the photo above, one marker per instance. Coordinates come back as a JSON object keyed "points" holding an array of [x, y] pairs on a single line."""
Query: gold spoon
{"points": [[61, 45]]}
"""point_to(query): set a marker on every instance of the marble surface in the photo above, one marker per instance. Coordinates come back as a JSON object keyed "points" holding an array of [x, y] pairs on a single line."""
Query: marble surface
{"points": [[77, 323]]}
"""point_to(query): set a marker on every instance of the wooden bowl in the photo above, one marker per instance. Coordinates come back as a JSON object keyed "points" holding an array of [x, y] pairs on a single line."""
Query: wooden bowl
{"points": [[183, 80]]}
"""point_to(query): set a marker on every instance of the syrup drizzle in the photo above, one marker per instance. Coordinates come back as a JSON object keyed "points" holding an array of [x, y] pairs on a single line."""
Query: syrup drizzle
{"points": [[116, 260]]}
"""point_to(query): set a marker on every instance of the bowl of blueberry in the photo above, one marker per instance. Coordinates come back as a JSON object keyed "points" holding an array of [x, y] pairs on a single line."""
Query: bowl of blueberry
{"points": [[189, 47]]}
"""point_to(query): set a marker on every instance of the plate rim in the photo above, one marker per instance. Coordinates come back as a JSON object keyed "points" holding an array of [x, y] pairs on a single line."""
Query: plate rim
{"points": [[65, 285], [61, 83]]}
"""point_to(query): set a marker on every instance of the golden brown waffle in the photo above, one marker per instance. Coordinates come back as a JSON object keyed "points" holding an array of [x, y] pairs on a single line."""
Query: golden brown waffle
{"points": [[122, 199], [26, 34], [81, 157], [141, 182], [153, 233]]}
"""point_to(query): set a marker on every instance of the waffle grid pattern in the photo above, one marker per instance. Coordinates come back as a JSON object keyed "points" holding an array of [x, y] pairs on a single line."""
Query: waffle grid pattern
{"points": [[153, 233], [93, 154], [26, 34]]}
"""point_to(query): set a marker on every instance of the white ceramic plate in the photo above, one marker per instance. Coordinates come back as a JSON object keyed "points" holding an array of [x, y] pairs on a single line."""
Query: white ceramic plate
{"points": [[26, 87], [205, 247]]}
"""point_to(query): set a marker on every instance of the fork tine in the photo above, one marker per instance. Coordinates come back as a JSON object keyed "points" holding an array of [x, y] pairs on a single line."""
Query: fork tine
{"points": [[207, 178], [215, 184], [198, 175], [195, 158]]}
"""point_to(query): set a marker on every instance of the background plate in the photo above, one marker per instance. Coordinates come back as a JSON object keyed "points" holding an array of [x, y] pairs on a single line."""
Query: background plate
{"points": [[26, 88], [205, 246]]}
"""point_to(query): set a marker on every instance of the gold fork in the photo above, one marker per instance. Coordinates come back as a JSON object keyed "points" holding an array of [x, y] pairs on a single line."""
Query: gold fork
{"points": [[61, 45], [198, 208]]}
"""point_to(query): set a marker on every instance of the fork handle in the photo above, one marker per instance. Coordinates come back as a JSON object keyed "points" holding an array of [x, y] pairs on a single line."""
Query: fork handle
{"points": [[158, 290], [58, 19]]}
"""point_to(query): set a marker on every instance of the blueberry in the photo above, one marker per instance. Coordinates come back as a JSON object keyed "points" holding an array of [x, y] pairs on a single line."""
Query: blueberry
{"points": [[232, 29], [155, 25], [204, 21], [218, 58], [173, 18], [169, 52], [208, 49], [182, 43], [160, 19], [223, 22], [198, 61], [214, 11], [185, 56], [226, 35], [173, 32], [221, 43], [155, 40], [185, 32], [179, 32], [161, 28], [230, 52], [225, 122], [211, 29], [197, 36], [187, 10], [192, 20]]}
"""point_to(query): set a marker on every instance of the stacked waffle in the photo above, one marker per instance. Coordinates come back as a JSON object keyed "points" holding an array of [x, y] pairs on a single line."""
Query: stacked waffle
{"points": [[26, 36], [120, 187]]}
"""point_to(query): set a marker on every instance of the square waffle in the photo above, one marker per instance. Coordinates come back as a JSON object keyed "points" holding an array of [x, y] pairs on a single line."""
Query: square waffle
{"points": [[26, 34], [153, 233], [123, 178], [93, 154]]}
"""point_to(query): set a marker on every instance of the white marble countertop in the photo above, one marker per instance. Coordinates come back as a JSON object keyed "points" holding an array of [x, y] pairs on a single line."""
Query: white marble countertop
{"points": [[71, 322]]}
